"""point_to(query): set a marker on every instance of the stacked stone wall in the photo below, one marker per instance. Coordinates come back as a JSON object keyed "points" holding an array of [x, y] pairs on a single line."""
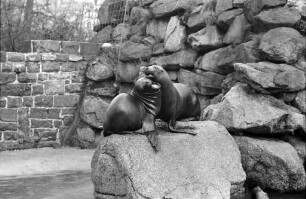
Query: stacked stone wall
{"points": [[39, 91]]}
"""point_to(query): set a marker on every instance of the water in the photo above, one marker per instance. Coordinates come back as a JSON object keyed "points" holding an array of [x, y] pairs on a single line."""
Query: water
{"points": [[61, 186], [70, 185]]}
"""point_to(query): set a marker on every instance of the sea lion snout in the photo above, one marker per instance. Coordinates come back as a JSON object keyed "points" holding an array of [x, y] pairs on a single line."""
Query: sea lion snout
{"points": [[146, 84]]}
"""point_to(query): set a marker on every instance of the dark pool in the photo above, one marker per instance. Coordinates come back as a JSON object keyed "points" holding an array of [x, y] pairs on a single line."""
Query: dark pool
{"points": [[76, 185]]}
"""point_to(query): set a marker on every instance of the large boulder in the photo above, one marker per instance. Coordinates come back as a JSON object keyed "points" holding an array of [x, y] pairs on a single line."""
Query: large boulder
{"points": [[131, 51], [267, 77], [103, 36], [202, 15], [139, 15], [93, 110], [205, 83], [248, 52], [218, 61], [106, 88], [101, 68], [273, 18], [207, 165], [300, 101], [127, 72], [282, 45], [175, 61], [243, 110], [223, 5], [157, 29], [175, 35], [238, 31], [208, 38], [121, 32], [226, 18], [272, 164]]}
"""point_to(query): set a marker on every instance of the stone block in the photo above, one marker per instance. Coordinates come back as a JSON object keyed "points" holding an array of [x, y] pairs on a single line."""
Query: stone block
{"points": [[37, 89], [48, 57], [19, 67], [67, 120], [70, 47], [33, 67], [28, 101], [106, 89], [7, 78], [8, 126], [62, 57], [2, 103], [2, 56], [73, 88], [43, 101], [59, 76], [46, 134], [36, 123], [14, 102], [23, 121], [65, 101], [15, 57], [57, 123], [7, 67], [89, 48], [11, 135], [45, 113], [73, 66], [15, 90], [27, 77], [33, 57], [54, 87], [75, 58], [49, 66], [42, 77], [77, 77], [46, 46], [68, 111], [176, 36], [8, 115]]}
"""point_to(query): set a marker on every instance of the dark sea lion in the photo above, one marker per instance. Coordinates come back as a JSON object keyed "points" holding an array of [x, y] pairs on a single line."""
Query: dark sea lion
{"points": [[178, 100], [134, 111]]}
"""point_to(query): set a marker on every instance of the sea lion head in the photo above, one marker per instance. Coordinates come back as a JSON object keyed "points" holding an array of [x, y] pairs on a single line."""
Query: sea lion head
{"points": [[157, 73], [146, 85]]}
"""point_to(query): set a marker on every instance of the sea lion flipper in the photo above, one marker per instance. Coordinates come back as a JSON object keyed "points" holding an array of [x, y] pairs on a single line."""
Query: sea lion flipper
{"points": [[153, 139], [173, 130]]}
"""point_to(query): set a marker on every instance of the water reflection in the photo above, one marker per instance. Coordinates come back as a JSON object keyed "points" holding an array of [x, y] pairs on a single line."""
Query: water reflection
{"points": [[61, 186]]}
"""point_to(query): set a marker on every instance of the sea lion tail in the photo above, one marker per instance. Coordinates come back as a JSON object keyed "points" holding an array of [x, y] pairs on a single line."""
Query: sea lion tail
{"points": [[153, 139]]}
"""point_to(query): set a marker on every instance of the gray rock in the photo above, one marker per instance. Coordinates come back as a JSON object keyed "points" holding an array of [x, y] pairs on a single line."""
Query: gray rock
{"points": [[175, 35], [253, 7], [243, 110], [207, 39], [282, 45], [158, 49], [93, 110], [103, 36], [175, 61], [238, 3], [121, 32], [238, 31], [226, 18], [127, 72], [300, 101], [298, 144], [223, 5], [102, 89], [127, 166], [157, 29], [85, 137], [248, 52], [218, 61], [206, 83], [139, 15], [268, 77], [100, 69], [162, 8], [274, 18], [273, 164], [131, 51], [202, 15]]}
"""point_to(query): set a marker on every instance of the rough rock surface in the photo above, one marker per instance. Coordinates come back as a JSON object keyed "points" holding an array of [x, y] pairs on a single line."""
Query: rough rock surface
{"points": [[223, 5], [181, 59], [218, 61], [157, 29], [274, 18], [100, 69], [207, 39], [206, 83], [162, 8], [105, 35], [282, 45], [299, 144], [244, 110], [248, 52], [273, 164], [121, 32], [207, 165], [300, 101], [267, 77], [175, 35], [85, 137], [93, 111], [226, 18], [131, 51], [127, 72], [201, 16]]}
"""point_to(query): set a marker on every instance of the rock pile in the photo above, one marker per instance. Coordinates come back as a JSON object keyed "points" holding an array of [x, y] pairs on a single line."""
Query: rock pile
{"points": [[245, 59]]}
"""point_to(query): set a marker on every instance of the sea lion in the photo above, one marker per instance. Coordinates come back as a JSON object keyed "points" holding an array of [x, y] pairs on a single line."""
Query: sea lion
{"points": [[178, 100], [134, 111]]}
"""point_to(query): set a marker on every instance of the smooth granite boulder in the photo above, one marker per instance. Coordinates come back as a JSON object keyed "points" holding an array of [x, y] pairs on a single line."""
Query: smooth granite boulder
{"points": [[207, 165]]}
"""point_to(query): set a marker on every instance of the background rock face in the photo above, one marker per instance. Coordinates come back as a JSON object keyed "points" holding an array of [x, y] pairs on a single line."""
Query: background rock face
{"points": [[175, 35], [244, 110], [187, 166], [282, 45], [273, 164]]}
